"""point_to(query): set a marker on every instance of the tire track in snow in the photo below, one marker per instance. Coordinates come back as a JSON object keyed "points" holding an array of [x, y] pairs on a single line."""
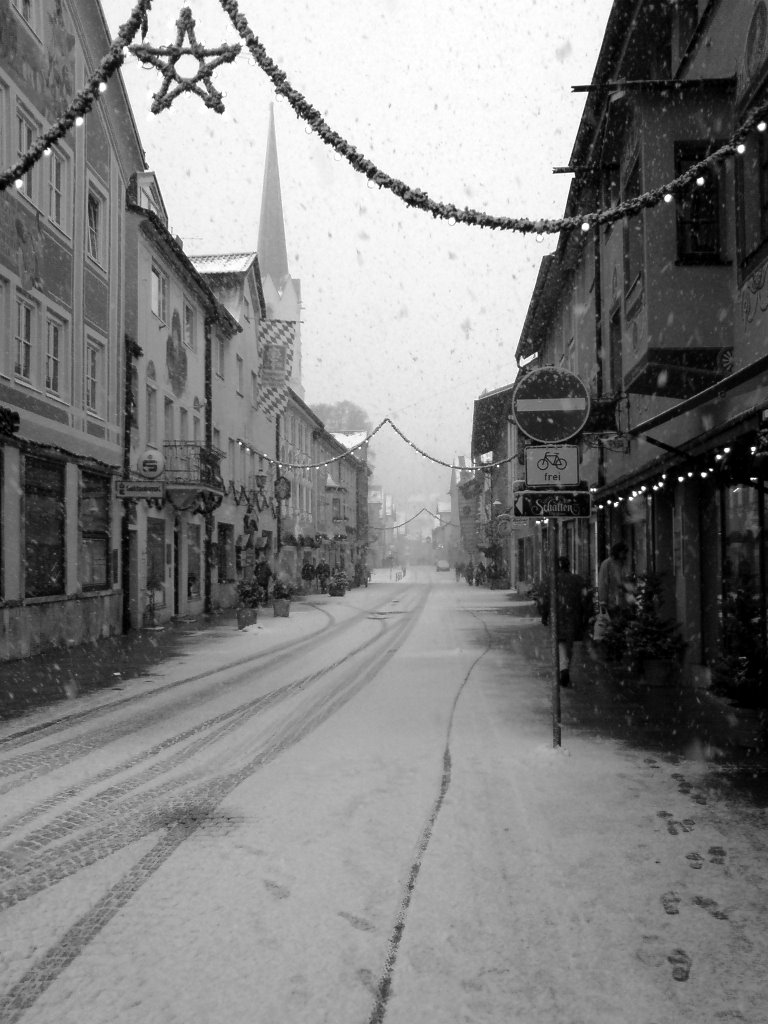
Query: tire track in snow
{"points": [[184, 821], [384, 986], [261, 659]]}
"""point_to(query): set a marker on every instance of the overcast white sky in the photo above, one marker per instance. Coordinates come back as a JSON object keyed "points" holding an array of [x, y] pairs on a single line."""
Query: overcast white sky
{"points": [[406, 316]]}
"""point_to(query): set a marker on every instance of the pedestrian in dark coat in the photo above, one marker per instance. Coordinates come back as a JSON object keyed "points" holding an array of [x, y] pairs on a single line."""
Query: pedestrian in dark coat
{"points": [[262, 573], [572, 594]]}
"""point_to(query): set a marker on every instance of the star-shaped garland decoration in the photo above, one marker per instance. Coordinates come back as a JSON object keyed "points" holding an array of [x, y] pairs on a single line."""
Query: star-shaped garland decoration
{"points": [[165, 58]]}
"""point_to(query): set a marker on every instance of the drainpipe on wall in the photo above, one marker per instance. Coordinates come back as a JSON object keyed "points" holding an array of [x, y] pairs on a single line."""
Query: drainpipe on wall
{"points": [[278, 503], [208, 384], [132, 351]]}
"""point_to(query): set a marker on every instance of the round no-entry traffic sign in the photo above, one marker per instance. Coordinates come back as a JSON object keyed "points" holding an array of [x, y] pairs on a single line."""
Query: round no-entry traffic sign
{"points": [[550, 405]]}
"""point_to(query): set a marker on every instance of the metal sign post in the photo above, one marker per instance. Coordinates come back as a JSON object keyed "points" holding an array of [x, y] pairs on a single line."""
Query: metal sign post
{"points": [[553, 629]]}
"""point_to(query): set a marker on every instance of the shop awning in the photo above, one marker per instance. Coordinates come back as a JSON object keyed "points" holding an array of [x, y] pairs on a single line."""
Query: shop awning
{"points": [[678, 372]]}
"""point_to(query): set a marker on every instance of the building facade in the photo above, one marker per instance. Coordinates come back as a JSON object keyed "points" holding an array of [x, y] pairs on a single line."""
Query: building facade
{"points": [[65, 286], [177, 334], [660, 313]]}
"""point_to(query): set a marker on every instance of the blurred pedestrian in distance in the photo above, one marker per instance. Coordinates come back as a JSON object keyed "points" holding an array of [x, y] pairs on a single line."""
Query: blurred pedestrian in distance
{"points": [[469, 572], [480, 575]]}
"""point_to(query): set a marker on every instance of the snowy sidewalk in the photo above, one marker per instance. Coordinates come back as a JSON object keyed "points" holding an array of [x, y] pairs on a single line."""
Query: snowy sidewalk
{"points": [[148, 657]]}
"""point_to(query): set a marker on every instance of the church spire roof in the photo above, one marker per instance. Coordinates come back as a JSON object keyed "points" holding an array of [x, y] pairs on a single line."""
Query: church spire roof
{"points": [[273, 255]]}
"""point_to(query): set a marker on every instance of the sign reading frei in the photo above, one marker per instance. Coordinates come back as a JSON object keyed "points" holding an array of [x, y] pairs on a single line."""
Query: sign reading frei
{"points": [[552, 465], [550, 405], [151, 463], [559, 504]]}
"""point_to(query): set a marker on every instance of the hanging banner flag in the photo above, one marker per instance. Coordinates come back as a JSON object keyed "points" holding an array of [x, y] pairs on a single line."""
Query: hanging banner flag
{"points": [[276, 338]]}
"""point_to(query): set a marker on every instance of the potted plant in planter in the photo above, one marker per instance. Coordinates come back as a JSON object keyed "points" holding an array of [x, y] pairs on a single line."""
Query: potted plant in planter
{"points": [[247, 602], [650, 639], [339, 584], [282, 593]]}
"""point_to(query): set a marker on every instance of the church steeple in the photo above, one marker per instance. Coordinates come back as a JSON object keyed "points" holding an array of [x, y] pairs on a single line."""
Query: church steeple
{"points": [[273, 255]]}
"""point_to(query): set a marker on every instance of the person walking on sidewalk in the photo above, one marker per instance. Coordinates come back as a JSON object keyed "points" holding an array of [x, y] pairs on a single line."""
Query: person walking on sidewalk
{"points": [[572, 592], [614, 589]]}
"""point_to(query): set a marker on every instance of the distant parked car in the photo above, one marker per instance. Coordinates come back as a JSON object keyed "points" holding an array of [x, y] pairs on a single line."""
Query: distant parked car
{"points": [[442, 566]]}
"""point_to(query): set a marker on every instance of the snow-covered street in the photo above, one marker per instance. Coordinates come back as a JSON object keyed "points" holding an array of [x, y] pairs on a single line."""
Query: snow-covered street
{"points": [[356, 814]]}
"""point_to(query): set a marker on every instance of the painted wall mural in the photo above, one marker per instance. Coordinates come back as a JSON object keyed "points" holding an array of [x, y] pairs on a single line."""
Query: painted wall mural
{"points": [[176, 356], [41, 59]]}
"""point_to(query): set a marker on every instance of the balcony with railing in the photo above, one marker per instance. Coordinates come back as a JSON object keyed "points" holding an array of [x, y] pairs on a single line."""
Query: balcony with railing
{"points": [[192, 474]]}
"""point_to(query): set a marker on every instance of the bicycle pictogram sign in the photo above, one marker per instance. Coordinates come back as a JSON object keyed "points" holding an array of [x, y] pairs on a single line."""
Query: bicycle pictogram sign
{"points": [[552, 466]]}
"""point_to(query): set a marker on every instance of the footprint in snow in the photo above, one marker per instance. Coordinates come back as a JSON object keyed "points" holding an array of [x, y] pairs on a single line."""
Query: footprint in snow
{"points": [[278, 891], [676, 827], [711, 906], [671, 903], [717, 855], [357, 922], [695, 860], [681, 964]]}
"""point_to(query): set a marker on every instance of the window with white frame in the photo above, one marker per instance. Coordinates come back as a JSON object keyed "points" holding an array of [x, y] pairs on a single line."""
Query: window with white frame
{"points": [[94, 532], [239, 375], [57, 184], [254, 389], [96, 225], [26, 131], [190, 326], [55, 356], [183, 424], [94, 377], [159, 296], [168, 419], [44, 527], [220, 357], [25, 339], [196, 429], [231, 465]]}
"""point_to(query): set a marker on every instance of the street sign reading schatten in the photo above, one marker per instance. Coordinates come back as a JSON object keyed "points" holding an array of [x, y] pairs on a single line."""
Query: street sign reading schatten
{"points": [[550, 405]]}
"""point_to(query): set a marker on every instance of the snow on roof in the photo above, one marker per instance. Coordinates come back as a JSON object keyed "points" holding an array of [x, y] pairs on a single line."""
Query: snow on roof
{"points": [[350, 438], [224, 263]]}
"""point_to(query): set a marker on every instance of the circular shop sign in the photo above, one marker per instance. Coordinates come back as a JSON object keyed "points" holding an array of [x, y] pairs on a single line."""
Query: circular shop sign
{"points": [[151, 463], [550, 405]]}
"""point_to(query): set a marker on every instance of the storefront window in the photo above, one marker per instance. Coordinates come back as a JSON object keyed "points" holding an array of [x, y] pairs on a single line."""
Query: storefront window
{"points": [[193, 561], [94, 532], [44, 519], [742, 616], [156, 561]]}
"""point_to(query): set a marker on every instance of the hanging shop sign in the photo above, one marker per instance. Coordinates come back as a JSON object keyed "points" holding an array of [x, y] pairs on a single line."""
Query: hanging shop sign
{"points": [[151, 463], [560, 504], [550, 405], [134, 489]]}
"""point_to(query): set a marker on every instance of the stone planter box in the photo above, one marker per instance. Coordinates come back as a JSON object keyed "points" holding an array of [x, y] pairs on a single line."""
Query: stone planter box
{"points": [[281, 606], [246, 617]]}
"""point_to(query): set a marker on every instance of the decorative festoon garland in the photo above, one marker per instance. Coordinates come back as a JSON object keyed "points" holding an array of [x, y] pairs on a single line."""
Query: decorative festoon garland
{"points": [[280, 464], [421, 512], [413, 197]]}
